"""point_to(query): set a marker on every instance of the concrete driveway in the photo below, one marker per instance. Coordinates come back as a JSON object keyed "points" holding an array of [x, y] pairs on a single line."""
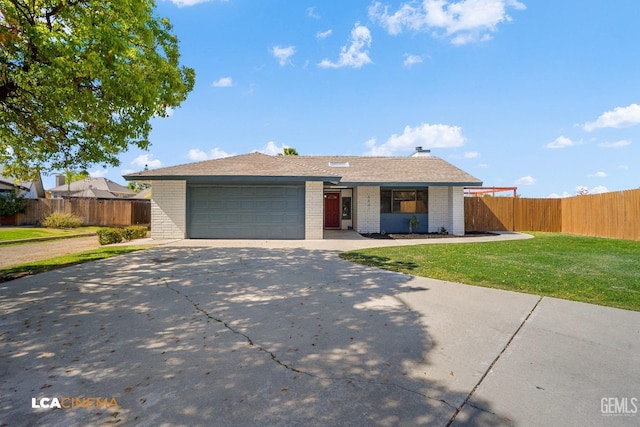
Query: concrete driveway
{"points": [[224, 335]]}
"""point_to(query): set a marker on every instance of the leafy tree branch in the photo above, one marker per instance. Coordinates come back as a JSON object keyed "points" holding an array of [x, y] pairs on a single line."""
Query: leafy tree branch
{"points": [[80, 81]]}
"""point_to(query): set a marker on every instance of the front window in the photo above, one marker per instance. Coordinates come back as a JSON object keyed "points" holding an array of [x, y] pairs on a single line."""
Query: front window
{"points": [[346, 208], [403, 201]]}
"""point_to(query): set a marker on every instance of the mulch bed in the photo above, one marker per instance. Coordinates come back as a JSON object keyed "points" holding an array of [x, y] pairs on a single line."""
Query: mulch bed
{"points": [[401, 236]]}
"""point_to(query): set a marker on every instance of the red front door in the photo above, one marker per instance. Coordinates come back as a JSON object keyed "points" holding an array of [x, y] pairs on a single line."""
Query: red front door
{"points": [[332, 210]]}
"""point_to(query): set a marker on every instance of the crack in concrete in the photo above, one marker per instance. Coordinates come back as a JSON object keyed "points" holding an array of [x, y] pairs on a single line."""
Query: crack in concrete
{"points": [[506, 346], [273, 356]]}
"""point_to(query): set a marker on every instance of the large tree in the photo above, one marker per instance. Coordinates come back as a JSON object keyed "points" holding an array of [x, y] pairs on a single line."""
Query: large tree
{"points": [[81, 79]]}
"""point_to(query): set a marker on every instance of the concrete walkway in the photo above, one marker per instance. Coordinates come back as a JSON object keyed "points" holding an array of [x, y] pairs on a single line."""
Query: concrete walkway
{"points": [[220, 333], [342, 240]]}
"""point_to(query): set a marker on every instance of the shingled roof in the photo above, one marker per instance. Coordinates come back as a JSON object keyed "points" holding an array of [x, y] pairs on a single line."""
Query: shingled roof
{"points": [[93, 187], [253, 165], [347, 170], [359, 170]]}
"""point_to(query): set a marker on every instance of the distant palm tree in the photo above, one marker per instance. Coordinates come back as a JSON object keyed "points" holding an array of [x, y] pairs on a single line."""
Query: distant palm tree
{"points": [[288, 151]]}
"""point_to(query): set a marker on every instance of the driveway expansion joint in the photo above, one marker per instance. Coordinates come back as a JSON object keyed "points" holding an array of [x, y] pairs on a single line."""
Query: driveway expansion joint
{"points": [[506, 346], [273, 356]]}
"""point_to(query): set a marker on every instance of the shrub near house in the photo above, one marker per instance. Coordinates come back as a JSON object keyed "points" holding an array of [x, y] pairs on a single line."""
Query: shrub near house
{"points": [[61, 220], [108, 236]]}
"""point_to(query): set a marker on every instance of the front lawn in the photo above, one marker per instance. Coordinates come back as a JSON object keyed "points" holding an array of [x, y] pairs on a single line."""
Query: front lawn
{"points": [[36, 267], [588, 269], [18, 233]]}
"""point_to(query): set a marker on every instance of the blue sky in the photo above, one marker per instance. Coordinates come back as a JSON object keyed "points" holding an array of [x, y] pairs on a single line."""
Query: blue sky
{"points": [[543, 95]]}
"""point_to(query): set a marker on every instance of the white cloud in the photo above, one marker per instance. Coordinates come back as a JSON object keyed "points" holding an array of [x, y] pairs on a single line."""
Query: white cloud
{"points": [[410, 60], [370, 143], [465, 21], [599, 190], [323, 34], [582, 190], [250, 90], [561, 142], [181, 3], [282, 54], [198, 155], [99, 173], [558, 196], [146, 161], [356, 53], [526, 180], [619, 117], [223, 82], [424, 135], [311, 13], [272, 149], [598, 174], [471, 154], [617, 144], [623, 167]]}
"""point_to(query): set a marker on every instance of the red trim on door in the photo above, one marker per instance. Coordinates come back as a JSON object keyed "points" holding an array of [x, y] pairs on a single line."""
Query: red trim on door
{"points": [[331, 210]]}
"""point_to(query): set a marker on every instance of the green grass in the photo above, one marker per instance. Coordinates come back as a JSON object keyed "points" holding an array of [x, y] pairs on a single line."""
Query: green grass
{"points": [[588, 269], [35, 267], [18, 233]]}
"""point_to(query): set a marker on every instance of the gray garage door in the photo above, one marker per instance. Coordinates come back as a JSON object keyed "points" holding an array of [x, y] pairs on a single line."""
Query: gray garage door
{"points": [[246, 212]]}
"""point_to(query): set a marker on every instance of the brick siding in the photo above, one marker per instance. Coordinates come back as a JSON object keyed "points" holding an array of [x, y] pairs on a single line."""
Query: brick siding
{"points": [[367, 209], [446, 209], [169, 210], [314, 210]]}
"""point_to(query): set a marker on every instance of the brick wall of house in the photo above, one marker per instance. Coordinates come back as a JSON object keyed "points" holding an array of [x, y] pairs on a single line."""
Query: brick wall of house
{"points": [[169, 210], [446, 209], [367, 209], [456, 211], [314, 210], [438, 208]]}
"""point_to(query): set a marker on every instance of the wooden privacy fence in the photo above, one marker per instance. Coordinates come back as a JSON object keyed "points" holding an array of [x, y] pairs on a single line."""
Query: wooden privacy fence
{"points": [[614, 214], [103, 212], [512, 214]]}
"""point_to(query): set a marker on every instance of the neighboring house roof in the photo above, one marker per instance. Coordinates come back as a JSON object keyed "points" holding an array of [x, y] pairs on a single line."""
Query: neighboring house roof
{"points": [[347, 170], [5, 185], [93, 187], [28, 189], [143, 195], [94, 193]]}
